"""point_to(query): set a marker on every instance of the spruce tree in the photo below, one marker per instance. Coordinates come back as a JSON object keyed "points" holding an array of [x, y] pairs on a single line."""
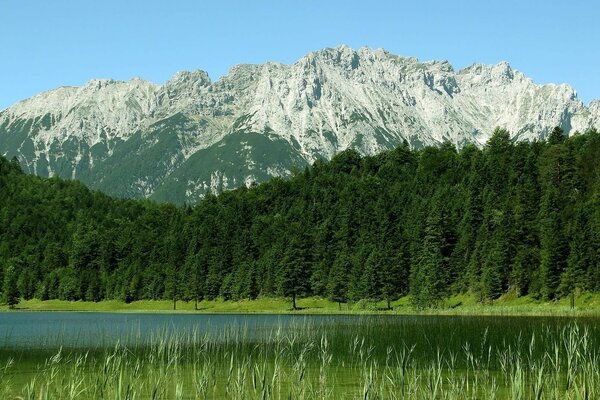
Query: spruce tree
{"points": [[337, 287], [370, 281], [556, 136], [428, 282], [554, 250], [293, 273], [393, 274], [10, 291]]}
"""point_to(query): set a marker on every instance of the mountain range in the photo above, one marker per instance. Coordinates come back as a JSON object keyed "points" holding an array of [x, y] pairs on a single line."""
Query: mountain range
{"points": [[177, 141]]}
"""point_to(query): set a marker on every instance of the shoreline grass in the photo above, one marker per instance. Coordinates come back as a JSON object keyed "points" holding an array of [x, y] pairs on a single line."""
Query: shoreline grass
{"points": [[586, 304], [310, 363]]}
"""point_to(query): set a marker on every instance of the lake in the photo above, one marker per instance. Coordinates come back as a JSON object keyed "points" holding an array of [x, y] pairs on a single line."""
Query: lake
{"points": [[45, 330], [344, 348]]}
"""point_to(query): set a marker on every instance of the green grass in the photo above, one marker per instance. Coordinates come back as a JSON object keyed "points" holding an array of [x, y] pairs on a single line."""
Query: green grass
{"points": [[463, 304]]}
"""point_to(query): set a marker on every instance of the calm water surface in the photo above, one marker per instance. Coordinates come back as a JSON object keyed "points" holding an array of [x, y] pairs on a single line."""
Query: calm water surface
{"points": [[77, 330]]}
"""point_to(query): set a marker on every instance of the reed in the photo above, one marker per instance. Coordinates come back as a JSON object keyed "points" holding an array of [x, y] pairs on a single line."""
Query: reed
{"points": [[308, 362]]}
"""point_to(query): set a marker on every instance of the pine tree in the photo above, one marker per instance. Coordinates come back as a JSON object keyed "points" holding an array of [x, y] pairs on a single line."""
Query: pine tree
{"points": [[428, 282], [337, 286], [557, 185], [197, 282], [393, 274], [554, 250], [592, 278], [9, 290], [16, 165], [173, 268], [498, 256], [580, 256], [370, 281], [293, 273], [556, 136], [525, 205]]}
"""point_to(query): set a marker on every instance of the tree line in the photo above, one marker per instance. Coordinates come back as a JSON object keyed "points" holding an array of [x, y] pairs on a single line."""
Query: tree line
{"points": [[510, 217]]}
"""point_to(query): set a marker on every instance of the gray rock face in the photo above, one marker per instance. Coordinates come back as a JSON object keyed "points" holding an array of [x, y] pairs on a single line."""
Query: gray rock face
{"points": [[191, 135]]}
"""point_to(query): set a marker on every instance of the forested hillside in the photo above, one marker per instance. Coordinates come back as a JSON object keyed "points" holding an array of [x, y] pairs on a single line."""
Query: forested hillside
{"points": [[522, 217]]}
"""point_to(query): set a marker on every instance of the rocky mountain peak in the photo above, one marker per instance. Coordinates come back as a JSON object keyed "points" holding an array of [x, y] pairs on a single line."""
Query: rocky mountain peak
{"points": [[98, 84], [197, 77], [497, 75], [191, 135]]}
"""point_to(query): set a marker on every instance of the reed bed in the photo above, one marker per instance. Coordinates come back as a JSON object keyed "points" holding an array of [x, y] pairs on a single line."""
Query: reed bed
{"points": [[307, 361]]}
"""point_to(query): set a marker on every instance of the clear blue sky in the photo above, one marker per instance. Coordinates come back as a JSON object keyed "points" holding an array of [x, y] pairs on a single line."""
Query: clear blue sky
{"points": [[46, 44]]}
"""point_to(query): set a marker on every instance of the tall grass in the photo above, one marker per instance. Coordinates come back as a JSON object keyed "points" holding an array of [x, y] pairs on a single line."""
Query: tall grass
{"points": [[306, 361]]}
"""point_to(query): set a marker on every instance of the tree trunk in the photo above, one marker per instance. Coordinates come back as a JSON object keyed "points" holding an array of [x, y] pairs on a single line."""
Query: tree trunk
{"points": [[196, 304], [572, 299], [174, 302], [389, 304], [340, 305], [294, 301]]}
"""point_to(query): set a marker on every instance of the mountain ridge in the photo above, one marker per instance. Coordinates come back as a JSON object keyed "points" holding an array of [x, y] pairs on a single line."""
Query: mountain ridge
{"points": [[140, 136]]}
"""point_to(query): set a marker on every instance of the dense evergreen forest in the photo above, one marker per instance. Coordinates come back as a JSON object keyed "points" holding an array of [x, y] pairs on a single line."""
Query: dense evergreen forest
{"points": [[522, 217]]}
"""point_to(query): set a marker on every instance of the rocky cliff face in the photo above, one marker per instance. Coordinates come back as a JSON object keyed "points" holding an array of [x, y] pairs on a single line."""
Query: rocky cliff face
{"points": [[189, 136]]}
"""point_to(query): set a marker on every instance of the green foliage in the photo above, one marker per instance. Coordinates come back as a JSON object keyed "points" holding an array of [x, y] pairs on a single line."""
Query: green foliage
{"points": [[9, 288], [293, 273], [428, 277], [337, 287], [512, 217]]}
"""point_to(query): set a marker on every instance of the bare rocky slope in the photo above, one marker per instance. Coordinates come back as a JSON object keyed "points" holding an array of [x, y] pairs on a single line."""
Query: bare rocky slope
{"points": [[177, 141]]}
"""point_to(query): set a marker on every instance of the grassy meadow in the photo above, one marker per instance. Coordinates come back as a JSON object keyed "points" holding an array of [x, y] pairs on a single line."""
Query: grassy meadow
{"points": [[586, 304]]}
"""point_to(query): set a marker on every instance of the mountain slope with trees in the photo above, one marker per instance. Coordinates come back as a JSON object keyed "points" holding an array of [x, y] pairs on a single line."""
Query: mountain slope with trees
{"points": [[510, 217], [177, 141]]}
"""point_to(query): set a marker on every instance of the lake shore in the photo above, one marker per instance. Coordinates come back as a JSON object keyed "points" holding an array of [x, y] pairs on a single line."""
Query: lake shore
{"points": [[45, 355], [586, 304]]}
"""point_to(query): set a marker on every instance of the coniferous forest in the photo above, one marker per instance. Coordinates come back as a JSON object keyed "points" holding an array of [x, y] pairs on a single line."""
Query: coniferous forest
{"points": [[520, 217]]}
